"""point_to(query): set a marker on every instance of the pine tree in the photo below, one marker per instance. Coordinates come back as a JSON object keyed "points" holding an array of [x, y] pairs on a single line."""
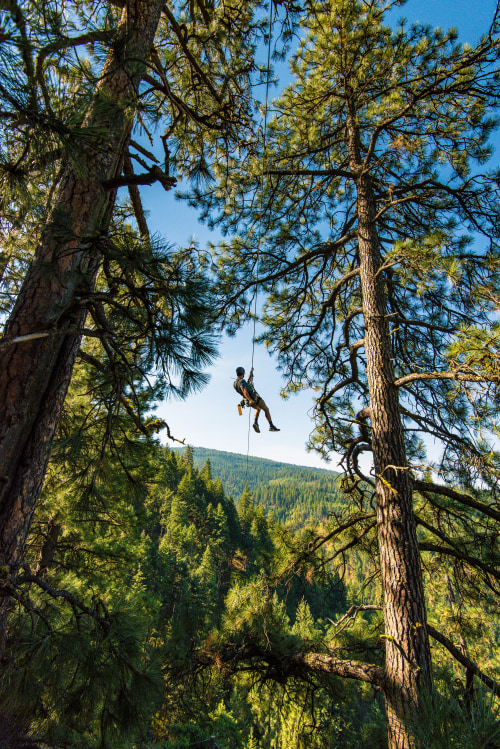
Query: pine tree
{"points": [[206, 473], [304, 625], [380, 244], [187, 457], [245, 513], [87, 596], [206, 576], [69, 124]]}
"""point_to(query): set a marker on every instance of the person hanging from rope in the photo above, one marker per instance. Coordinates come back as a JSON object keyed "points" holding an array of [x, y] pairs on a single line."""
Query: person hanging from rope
{"points": [[252, 399]]}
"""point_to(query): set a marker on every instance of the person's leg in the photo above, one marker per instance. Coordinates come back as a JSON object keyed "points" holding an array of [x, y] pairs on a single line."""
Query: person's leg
{"points": [[256, 419], [267, 413]]}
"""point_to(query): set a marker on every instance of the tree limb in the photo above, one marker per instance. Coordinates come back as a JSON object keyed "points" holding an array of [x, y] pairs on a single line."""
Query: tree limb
{"points": [[155, 174], [465, 499], [310, 173], [135, 199], [281, 668], [462, 556], [457, 375], [461, 658]]}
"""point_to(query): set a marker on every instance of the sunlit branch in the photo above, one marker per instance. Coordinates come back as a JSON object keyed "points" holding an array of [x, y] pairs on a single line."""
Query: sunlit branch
{"points": [[310, 173], [464, 499], [453, 552], [458, 375], [298, 665], [461, 658]]}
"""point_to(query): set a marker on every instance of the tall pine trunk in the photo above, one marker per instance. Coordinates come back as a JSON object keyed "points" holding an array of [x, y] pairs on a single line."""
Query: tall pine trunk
{"points": [[408, 659], [35, 373]]}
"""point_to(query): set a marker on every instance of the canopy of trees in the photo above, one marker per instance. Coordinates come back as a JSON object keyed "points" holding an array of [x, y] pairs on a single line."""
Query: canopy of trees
{"points": [[295, 495], [138, 605]]}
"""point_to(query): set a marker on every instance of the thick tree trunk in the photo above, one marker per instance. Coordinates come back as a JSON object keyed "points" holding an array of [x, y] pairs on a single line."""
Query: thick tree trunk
{"points": [[408, 660], [34, 374]]}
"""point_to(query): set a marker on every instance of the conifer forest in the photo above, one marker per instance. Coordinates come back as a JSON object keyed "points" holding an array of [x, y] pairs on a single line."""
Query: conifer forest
{"points": [[159, 596]]}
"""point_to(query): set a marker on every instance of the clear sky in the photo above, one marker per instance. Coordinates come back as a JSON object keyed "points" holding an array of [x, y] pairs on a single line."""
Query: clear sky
{"points": [[210, 419]]}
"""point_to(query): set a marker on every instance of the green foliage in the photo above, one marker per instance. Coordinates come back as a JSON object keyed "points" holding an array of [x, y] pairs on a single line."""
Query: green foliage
{"points": [[163, 577], [420, 105], [451, 722], [295, 495], [151, 610], [90, 682], [154, 575]]}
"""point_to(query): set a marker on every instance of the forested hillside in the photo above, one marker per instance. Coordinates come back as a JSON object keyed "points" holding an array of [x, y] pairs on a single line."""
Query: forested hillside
{"points": [[116, 638], [297, 496], [134, 617]]}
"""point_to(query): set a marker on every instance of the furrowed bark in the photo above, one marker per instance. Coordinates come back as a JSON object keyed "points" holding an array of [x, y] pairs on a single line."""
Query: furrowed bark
{"points": [[34, 375], [408, 660]]}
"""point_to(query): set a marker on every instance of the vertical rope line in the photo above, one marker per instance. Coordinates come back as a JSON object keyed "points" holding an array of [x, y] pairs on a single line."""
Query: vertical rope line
{"points": [[262, 176], [261, 202]]}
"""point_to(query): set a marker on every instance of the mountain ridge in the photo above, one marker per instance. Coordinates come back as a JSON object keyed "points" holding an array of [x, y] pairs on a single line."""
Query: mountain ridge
{"points": [[197, 449], [296, 495]]}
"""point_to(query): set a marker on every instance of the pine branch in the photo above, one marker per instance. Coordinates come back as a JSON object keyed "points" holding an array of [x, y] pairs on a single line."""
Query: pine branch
{"points": [[457, 375], [180, 105], [322, 540], [353, 542], [297, 665], [144, 151], [456, 554], [302, 261], [192, 61], [77, 606], [25, 47], [329, 304], [350, 616], [155, 174], [461, 658], [444, 538], [136, 418], [319, 663], [135, 199], [101, 35], [464, 499], [310, 173]]}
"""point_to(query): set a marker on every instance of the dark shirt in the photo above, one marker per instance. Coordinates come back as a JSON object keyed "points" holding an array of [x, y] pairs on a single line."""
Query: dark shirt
{"points": [[239, 385]]}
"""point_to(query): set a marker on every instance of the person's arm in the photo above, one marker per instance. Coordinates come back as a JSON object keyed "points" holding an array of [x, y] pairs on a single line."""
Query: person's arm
{"points": [[246, 393]]}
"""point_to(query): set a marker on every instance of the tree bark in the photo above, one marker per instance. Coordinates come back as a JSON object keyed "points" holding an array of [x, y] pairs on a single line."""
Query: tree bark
{"points": [[34, 375], [408, 660]]}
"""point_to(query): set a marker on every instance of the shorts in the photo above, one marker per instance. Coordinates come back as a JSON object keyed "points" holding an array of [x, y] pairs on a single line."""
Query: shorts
{"points": [[257, 402]]}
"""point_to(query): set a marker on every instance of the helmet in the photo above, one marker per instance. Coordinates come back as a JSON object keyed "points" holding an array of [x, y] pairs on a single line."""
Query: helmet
{"points": [[240, 371]]}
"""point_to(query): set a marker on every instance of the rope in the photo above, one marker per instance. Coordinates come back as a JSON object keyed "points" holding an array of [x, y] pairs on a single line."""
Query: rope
{"points": [[264, 146], [261, 202]]}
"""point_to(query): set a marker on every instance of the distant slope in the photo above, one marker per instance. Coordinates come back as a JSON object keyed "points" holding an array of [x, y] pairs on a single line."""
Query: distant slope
{"points": [[296, 495]]}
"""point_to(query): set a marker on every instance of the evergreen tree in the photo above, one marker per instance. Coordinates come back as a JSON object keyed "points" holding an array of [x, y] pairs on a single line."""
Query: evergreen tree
{"points": [[245, 513], [138, 69], [381, 250], [188, 456], [206, 472], [80, 610]]}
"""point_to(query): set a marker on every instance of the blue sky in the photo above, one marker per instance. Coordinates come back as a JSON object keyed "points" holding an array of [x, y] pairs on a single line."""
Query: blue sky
{"points": [[210, 418]]}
